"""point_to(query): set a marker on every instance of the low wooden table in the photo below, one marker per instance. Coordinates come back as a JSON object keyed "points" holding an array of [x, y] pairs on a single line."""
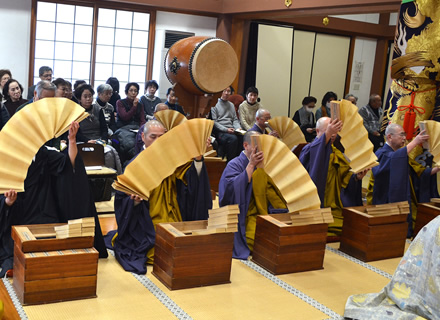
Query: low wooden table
{"points": [[370, 238], [425, 213], [185, 261], [50, 270], [281, 248]]}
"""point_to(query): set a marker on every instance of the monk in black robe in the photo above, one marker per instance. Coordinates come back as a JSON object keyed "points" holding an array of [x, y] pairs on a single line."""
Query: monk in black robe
{"points": [[56, 190]]}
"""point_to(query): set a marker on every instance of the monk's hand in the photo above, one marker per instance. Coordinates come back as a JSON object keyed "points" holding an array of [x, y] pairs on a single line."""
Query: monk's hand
{"points": [[421, 137], [333, 127], [256, 157], [74, 126], [361, 175], [11, 197], [435, 170], [309, 130], [136, 199], [275, 134]]}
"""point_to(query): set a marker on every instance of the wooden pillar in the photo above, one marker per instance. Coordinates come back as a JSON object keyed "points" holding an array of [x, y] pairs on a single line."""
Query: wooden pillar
{"points": [[380, 61]]}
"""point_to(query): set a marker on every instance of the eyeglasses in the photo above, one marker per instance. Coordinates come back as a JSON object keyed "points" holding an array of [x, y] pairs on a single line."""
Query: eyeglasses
{"points": [[133, 90], [402, 134]]}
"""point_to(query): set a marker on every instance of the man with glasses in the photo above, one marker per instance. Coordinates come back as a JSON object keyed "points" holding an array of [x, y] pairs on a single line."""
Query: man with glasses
{"points": [[261, 117], [45, 73], [400, 178]]}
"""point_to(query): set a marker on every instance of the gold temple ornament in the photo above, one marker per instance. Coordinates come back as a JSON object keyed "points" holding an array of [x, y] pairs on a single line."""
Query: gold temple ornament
{"points": [[325, 21], [287, 3]]}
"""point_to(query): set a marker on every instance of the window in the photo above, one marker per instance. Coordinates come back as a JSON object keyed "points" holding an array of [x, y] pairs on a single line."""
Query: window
{"points": [[64, 41]]}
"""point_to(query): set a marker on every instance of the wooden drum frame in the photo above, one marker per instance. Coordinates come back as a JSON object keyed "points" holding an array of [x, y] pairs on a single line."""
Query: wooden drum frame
{"points": [[201, 64]]}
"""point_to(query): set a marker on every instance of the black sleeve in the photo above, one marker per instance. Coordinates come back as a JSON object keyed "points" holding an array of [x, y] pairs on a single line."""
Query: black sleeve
{"points": [[103, 126], [4, 116]]}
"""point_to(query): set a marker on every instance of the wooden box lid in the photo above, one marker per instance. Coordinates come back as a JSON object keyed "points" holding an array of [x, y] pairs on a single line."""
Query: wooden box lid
{"points": [[41, 237], [397, 213]]}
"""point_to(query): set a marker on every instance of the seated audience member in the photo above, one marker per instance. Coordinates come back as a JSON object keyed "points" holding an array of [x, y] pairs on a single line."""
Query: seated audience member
{"points": [[45, 73], [105, 92], [172, 102], [149, 100], [94, 128], [183, 196], [69, 91], [139, 142], [56, 190], [12, 92], [248, 108], [261, 117], [129, 111], [43, 89], [5, 75], [225, 124], [4, 116], [372, 115], [330, 171], [412, 292], [305, 118], [400, 178], [61, 91], [324, 111], [352, 98], [253, 190], [114, 82]]}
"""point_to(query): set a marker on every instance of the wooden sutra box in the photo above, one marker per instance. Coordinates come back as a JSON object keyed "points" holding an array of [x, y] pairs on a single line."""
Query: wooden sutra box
{"points": [[50, 270], [374, 234], [281, 247], [425, 213], [185, 259]]}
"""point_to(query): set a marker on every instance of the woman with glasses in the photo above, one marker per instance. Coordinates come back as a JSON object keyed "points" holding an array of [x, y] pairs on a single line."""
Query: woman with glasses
{"points": [[129, 110]]}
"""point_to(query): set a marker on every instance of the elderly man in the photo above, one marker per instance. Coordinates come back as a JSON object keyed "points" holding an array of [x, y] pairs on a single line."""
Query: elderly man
{"points": [[183, 196], [138, 147], [261, 117], [372, 115], [43, 89], [330, 171], [398, 177], [225, 124], [56, 190], [253, 190], [105, 92], [45, 73]]}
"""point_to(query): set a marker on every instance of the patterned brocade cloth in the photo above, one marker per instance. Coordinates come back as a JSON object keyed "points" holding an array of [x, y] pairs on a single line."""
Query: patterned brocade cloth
{"points": [[414, 290]]}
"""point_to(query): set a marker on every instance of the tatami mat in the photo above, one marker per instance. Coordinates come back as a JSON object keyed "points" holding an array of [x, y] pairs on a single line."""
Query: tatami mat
{"points": [[249, 296]]}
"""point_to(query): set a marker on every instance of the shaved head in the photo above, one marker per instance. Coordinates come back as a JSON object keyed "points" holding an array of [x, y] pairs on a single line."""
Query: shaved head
{"points": [[160, 107]]}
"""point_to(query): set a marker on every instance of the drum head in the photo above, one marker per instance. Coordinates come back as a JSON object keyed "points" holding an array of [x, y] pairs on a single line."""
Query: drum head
{"points": [[214, 65]]}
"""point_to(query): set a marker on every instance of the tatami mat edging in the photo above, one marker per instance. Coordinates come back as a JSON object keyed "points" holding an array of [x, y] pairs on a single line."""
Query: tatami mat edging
{"points": [[297, 293], [18, 306], [359, 262]]}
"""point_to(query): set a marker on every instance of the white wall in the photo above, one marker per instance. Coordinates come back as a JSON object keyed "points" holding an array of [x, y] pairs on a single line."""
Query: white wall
{"points": [[369, 17], [168, 21], [362, 69], [14, 53]]}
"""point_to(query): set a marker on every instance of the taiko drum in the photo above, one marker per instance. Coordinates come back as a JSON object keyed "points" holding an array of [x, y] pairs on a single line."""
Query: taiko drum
{"points": [[201, 64]]}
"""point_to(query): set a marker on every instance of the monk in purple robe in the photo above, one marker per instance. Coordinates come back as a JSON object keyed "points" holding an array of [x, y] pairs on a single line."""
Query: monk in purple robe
{"points": [[253, 190], [400, 178], [330, 171]]}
